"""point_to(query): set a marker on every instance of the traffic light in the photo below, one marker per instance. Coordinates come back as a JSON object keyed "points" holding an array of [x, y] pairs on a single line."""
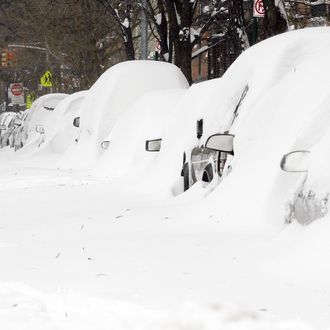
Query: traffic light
{"points": [[7, 59], [11, 59], [4, 59]]}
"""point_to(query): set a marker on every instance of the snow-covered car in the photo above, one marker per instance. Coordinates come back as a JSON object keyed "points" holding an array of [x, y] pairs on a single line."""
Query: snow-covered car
{"points": [[202, 163], [110, 98], [6, 122], [4, 117], [200, 112], [135, 140], [18, 133], [207, 161], [7, 138], [303, 206], [62, 132], [278, 101], [42, 114], [306, 165]]}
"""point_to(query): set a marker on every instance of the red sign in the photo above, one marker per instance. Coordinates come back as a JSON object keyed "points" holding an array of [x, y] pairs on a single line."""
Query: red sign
{"points": [[16, 89], [258, 8]]}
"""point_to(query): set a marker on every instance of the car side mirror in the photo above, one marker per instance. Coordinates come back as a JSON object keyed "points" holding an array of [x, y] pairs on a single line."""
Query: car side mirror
{"points": [[3, 127], [40, 129], [221, 142], [76, 122], [153, 145], [296, 161], [105, 145], [17, 122]]}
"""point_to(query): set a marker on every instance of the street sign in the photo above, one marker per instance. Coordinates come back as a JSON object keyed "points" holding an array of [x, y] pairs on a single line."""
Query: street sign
{"points": [[16, 94], [258, 8], [46, 79], [16, 89]]}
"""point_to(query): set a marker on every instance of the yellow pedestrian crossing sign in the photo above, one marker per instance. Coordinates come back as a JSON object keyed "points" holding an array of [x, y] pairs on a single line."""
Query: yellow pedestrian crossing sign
{"points": [[46, 79]]}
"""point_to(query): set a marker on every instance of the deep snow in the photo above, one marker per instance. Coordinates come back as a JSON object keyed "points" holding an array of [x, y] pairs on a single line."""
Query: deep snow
{"points": [[79, 254], [84, 250]]}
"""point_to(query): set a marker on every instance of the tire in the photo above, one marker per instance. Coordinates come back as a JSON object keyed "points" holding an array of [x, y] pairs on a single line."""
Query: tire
{"points": [[208, 174]]}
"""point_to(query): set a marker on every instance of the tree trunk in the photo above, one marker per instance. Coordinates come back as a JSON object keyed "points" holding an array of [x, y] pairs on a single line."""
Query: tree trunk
{"points": [[129, 46], [274, 23]]}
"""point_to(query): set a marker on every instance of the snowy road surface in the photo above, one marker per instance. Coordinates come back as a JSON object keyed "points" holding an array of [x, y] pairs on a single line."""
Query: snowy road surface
{"points": [[78, 253]]}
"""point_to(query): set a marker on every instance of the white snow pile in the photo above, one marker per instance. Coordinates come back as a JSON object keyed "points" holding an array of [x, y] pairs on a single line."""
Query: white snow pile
{"points": [[111, 96]]}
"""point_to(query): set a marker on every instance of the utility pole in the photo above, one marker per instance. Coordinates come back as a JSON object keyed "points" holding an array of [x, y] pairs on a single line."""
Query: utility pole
{"points": [[144, 31]]}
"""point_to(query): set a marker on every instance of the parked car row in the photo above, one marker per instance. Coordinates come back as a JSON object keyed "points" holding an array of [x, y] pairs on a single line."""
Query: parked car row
{"points": [[141, 121]]}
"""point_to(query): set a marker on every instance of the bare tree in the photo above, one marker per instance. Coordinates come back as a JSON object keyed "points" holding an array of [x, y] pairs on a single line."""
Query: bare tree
{"points": [[124, 13], [69, 30]]}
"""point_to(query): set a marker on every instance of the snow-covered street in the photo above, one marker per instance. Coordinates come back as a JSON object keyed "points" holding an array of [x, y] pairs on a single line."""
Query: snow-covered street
{"points": [[78, 254], [139, 196]]}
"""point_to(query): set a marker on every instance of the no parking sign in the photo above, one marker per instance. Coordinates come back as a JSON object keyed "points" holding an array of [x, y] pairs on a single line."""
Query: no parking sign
{"points": [[258, 8], [16, 94]]}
